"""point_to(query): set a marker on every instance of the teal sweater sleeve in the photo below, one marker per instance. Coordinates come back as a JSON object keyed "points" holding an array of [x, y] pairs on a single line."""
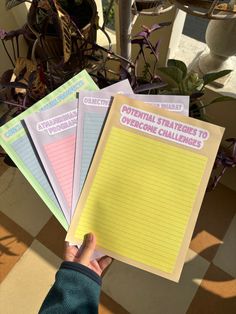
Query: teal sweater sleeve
{"points": [[76, 291]]}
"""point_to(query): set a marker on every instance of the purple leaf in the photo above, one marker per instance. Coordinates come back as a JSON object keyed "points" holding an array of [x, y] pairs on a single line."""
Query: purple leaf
{"points": [[139, 41], [9, 35], [3, 33], [154, 27], [144, 34]]}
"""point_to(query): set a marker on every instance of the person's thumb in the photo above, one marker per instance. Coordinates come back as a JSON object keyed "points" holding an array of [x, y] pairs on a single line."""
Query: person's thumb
{"points": [[87, 248], [104, 262]]}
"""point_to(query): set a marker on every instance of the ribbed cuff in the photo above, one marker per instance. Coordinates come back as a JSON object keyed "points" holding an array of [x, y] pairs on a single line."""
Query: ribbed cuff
{"points": [[83, 270]]}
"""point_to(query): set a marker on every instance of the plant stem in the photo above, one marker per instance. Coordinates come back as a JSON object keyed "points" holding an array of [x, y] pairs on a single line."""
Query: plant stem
{"points": [[151, 47], [17, 47], [217, 179], [13, 104], [181, 88], [13, 48], [114, 54], [154, 67], [5, 48], [145, 60], [204, 106]]}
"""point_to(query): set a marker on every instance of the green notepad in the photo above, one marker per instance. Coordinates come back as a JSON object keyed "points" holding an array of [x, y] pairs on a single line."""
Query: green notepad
{"points": [[15, 141]]}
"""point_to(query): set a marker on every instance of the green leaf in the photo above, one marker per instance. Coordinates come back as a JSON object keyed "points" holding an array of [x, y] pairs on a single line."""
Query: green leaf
{"points": [[178, 64], [222, 98], [191, 87], [13, 3], [211, 77], [172, 73]]}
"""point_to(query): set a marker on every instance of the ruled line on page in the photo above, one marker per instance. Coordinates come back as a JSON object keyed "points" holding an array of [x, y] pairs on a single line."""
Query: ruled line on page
{"points": [[61, 157], [137, 208]]}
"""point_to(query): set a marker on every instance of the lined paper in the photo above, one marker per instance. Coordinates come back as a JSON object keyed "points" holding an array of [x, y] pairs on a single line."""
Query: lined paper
{"points": [[90, 106], [140, 202], [93, 123], [27, 154], [25, 158], [145, 186], [61, 156], [91, 120], [54, 135], [92, 128]]}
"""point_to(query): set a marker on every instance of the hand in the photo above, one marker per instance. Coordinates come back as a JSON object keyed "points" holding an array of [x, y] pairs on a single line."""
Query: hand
{"points": [[84, 253]]}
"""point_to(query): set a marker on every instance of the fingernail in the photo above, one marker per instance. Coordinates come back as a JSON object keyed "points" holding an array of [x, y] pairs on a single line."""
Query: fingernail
{"points": [[109, 260], [89, 237]]}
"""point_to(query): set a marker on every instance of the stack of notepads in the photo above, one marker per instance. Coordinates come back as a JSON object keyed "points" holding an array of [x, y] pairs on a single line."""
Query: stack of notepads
{"points": [[133, 169]]}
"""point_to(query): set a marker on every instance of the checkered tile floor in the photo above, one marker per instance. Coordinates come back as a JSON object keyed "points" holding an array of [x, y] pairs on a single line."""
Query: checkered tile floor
{"points": [[32, 245]]}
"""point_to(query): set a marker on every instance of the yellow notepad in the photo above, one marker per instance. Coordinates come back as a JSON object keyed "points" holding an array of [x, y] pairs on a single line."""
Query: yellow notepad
{"points": [[145, 186]]}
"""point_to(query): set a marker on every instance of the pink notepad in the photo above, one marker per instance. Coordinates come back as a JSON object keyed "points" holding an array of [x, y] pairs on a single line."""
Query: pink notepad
{"points": [[54, 134]]}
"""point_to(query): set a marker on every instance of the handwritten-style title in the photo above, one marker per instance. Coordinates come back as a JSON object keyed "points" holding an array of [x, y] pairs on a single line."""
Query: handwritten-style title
{"points": [[59, 123], [163, 127]]}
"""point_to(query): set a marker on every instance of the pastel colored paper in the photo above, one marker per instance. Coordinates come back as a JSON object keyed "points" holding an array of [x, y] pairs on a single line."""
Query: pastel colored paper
{"points": [[54, 133], [119, 88], [145, 186], [18, 146], [175, 103], [93, 110], [89, 128]]}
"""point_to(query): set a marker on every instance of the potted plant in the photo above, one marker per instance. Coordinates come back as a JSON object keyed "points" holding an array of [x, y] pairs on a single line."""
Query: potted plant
{"points": [[172, 79], [175, 79], [180, 81], [58, 33]]}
